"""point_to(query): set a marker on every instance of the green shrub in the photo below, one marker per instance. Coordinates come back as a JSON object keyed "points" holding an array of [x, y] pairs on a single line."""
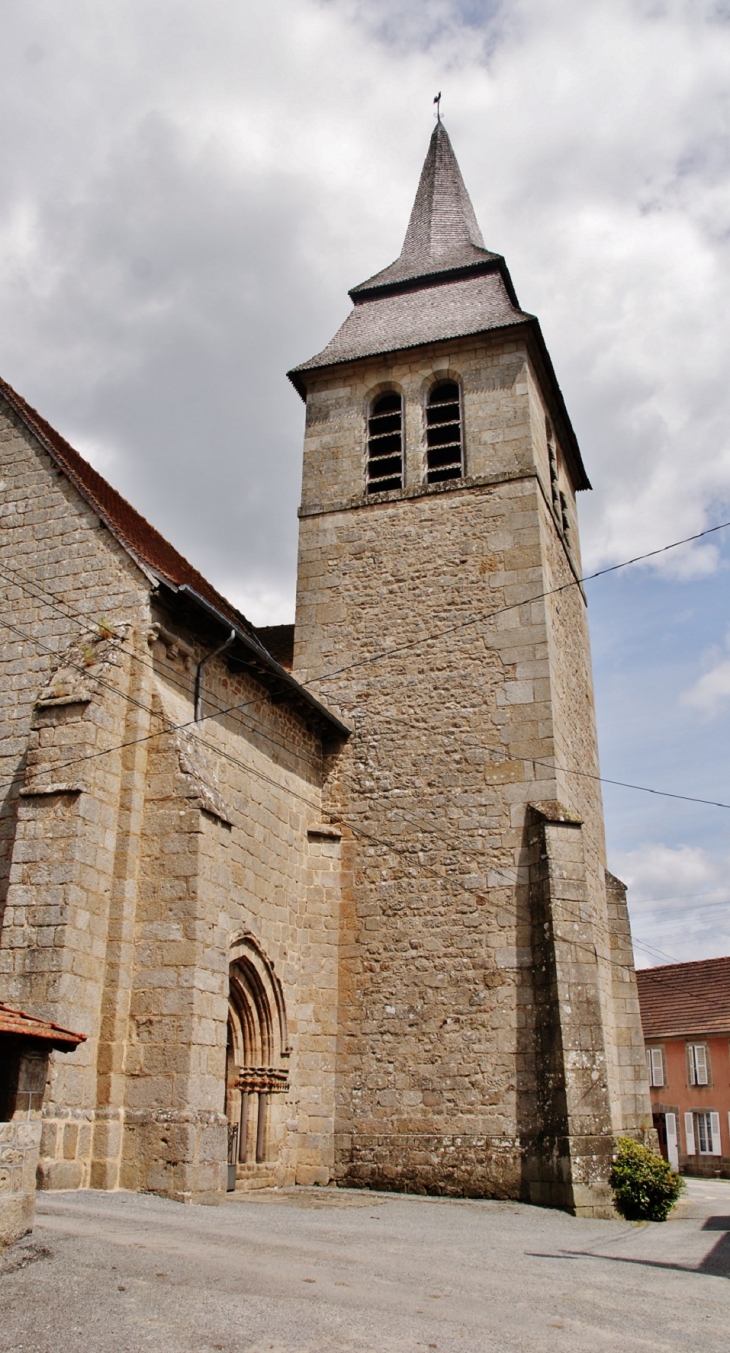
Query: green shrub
{"points": [[645, 1187]]}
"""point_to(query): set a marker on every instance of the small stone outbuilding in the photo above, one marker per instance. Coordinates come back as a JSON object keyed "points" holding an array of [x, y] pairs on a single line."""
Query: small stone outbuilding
{"points": [[25, 1043]]}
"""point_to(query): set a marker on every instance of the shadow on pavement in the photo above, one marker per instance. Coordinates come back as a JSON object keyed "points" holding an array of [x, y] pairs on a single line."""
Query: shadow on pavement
{"points": [[716, 1263]]}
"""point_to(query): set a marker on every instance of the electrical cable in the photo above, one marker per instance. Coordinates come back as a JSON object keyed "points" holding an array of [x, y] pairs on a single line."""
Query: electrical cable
{"points": [[526, 601], [238, 707], [358, 831], [462, 625]]}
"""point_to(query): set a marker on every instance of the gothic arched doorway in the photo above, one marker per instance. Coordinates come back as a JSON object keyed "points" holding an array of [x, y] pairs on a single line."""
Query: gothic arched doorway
{"points": [[256, 1062]]}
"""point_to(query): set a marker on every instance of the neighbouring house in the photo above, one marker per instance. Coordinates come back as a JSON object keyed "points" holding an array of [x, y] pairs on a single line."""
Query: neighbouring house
{"points": [[25, 1043], [685, 1011]]}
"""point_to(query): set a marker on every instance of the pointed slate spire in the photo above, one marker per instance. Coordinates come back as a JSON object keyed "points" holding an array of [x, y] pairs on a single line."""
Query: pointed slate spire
{"points": [[442, 233], [442, 219]]}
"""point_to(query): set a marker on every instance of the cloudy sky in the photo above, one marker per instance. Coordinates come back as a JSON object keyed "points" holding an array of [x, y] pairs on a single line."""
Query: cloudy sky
{"points": [[187, 192]]}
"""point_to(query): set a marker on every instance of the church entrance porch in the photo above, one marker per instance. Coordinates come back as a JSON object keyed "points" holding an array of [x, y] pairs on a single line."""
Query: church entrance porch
{"points": [[257, 1075]]}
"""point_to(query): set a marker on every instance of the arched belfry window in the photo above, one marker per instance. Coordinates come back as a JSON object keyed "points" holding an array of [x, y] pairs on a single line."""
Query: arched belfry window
{"points": [[385, 443], [444, 444]]}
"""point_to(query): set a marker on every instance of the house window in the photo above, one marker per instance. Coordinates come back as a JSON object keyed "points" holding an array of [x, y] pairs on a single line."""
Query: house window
{"points": [[698, 1064], [707, 1131], [385, 443], [655, 1066], [702, 1133], [444, 450]]}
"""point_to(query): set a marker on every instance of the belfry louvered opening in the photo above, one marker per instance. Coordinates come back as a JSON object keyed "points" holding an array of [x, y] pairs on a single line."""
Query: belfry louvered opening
{"points": [[444, 449], [385, 443]]}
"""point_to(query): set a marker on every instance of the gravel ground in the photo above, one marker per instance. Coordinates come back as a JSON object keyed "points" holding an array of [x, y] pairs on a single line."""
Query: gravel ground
{"points": [[314, 1270]]}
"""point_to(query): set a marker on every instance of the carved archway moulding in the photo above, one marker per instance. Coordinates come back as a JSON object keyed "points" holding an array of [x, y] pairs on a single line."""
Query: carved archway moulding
{"points": [[258, 1022]]}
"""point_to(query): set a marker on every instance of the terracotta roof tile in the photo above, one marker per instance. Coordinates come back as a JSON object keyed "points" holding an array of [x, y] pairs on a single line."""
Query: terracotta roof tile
{"points": [[130, 528], [685, 998], [161, 560], [22, 1025]]}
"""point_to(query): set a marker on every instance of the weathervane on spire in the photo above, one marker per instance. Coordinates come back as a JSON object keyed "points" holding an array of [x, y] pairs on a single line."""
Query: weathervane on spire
{"points": [[437, 101]]}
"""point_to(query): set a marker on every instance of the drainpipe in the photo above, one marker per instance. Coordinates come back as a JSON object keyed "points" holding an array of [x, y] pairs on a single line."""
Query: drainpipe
{"points": [[199, 673]]}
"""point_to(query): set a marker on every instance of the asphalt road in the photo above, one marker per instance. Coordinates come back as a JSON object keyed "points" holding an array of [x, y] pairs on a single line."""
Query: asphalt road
{"points": [[320, 1270]]}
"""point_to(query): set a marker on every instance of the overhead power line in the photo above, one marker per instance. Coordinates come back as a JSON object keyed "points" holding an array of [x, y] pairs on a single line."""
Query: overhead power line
{"points": [[515, 605], [239, 706]]}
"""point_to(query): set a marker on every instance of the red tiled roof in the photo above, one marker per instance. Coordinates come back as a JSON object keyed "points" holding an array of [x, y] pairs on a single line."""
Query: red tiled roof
{"points": [[133, 532], [17, 1022], [685, 998]]}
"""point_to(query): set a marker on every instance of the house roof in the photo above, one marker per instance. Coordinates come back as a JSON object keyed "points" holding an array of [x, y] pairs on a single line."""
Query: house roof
{"points": [[685, 998], [22, 1025], [160, 560], [444, 285]]}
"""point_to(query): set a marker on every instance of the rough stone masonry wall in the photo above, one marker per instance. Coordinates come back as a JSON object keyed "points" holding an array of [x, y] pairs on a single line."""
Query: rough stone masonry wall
{"points": [[438, 1079], [229, 850], [62, 573], [126, 892], [278, 879]]}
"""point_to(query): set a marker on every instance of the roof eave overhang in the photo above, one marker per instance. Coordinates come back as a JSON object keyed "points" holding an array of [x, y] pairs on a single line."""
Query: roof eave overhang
{"points": [[682, 1033], [259, 663], [545, 372], [420, 281]]}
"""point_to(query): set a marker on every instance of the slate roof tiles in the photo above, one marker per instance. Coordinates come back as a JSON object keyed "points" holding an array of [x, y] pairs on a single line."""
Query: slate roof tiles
{"points": [[388, 323], [443, 233]]}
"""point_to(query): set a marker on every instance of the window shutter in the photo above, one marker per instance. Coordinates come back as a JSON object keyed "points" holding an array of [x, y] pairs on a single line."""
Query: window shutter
{"points": [[715, 1129], [648, 1065], [657, 1067], [670, 1120], [689, 1132], [691, 1072], [701, 1064]]}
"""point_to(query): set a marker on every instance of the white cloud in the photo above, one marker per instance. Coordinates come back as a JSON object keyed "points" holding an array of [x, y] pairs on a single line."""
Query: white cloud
{"points": [[188, 190], [710, 692], [679, 902]]}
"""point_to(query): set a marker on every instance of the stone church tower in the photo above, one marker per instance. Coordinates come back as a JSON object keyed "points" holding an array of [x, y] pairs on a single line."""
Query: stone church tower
{"points": [[489, 1039]]}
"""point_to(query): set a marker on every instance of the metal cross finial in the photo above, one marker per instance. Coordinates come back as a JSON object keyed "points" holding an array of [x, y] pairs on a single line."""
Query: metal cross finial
{"points": [[437, 101]]}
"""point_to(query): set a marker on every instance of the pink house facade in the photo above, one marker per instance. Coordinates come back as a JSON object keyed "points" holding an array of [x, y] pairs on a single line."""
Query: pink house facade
{"points": [[685, 1013]]}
